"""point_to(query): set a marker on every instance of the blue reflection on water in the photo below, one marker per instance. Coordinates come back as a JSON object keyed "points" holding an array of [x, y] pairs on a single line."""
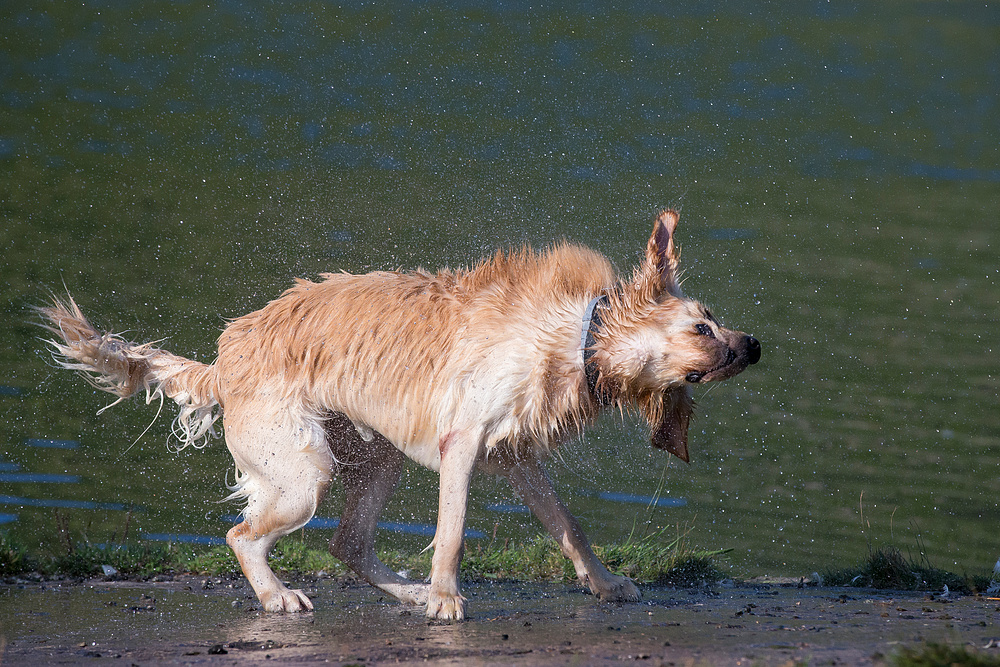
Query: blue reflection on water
{"points": [[183, 538], [508, 508], [35, 477], [617, 497], [946, 173], [56, 502], [733, 234], [391, 526], [47, 442]]}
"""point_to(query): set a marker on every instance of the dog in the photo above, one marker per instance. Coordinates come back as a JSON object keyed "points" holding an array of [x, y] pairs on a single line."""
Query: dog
{"points": [[489, 368]]}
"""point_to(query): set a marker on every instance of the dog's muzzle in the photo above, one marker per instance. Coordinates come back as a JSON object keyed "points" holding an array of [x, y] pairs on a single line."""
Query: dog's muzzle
{"points": [[752, 351]]}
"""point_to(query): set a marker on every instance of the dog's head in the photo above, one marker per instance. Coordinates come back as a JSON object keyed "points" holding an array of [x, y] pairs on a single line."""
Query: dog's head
{"points": [[660, 342]]}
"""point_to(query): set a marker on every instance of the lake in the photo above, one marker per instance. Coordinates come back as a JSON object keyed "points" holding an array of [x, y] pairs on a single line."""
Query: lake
{"points": [[837, 171]]}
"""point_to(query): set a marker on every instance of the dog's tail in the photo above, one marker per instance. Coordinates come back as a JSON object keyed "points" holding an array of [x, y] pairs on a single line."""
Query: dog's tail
{"points": [[113, 364]]}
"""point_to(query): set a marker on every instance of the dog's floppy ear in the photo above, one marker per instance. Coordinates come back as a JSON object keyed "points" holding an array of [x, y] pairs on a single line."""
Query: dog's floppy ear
{"points": [[671, 433], [661, 268]]}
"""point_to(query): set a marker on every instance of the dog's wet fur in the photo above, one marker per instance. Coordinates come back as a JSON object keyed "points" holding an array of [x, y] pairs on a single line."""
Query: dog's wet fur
{"points": [[457, 370]]}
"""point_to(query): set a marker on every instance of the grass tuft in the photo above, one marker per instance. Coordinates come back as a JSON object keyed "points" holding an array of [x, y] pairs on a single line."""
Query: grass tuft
{"points": [[537, 559], [14, 558], [888, 568], [654, 560], [649, 560], [293, 557], [130, 560], [943, 655], [217, 561]]}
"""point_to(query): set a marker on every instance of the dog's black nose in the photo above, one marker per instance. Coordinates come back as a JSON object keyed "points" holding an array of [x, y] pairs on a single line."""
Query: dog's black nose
{"points": [[753, 350]]}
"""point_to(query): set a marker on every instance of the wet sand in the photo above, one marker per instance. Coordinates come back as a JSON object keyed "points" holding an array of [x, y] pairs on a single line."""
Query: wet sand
{"points": [[194, 620]]}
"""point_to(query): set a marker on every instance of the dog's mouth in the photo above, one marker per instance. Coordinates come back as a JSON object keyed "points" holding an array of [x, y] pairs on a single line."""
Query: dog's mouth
{"points": [[694, 377], [733, 364]]}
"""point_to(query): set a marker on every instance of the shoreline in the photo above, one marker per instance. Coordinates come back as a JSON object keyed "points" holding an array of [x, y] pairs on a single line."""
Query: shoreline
{"points": [[206, 620]]}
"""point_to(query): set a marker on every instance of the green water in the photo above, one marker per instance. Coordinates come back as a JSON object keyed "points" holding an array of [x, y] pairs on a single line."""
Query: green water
{"points": [[838, 172]]}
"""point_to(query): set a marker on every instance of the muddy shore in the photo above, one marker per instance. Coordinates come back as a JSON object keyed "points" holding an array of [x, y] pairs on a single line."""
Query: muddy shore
{"points": [[194, 620]]}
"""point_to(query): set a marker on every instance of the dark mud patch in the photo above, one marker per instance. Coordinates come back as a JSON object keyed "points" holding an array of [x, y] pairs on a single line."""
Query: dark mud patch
{"points": [[191, 620]]}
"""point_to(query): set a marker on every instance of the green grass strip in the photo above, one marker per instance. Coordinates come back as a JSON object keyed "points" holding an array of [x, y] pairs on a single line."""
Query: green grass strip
{"points": [[651, 559]]}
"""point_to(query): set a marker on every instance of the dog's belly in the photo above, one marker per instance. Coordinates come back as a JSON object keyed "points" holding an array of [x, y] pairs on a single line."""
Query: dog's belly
{"points": [[419, 445]]}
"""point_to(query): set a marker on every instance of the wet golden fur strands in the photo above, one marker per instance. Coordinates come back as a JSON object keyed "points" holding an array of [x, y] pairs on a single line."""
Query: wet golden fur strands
{"points": [[111, 363], [432, 324]]}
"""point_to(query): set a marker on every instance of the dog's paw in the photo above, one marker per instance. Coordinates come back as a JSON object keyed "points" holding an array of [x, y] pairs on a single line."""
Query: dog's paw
{"points": [[614, 589], [445, 607], [286, 600]]}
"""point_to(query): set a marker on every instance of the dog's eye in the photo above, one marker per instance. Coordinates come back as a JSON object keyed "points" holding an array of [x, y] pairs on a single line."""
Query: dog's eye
{"points": [[704, 330]]}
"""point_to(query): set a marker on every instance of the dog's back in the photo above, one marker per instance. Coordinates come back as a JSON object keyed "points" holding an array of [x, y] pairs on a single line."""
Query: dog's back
{"points": [[400, 352]]}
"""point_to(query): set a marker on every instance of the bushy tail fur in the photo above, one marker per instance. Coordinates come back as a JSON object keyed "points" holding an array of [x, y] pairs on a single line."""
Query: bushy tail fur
{"points": [[113, 364]]}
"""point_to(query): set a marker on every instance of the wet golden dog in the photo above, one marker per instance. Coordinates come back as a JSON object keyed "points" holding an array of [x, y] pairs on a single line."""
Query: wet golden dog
{"points": [[489, 368]]}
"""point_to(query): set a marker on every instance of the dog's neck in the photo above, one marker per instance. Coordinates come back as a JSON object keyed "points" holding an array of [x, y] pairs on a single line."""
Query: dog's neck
{"points": [[591, 323], [615, 351]]}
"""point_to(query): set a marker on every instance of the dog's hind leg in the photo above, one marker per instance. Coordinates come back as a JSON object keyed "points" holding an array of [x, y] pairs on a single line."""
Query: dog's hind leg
{"points": [[533, 484], [285, 469], [370, 472]]}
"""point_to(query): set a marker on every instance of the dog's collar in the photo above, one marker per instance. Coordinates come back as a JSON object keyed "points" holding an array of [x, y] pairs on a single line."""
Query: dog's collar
{"points": [[592, 322]]}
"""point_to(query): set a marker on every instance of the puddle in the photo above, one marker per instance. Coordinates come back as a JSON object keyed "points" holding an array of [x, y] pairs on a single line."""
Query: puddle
{"points": [[197, 620]]}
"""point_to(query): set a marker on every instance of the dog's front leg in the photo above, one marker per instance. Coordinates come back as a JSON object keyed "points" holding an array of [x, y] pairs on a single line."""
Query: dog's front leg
{"points": [[459, 452], [532, 483]]}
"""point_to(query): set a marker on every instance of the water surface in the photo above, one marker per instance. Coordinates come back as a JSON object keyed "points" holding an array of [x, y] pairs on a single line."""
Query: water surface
{"points": [[837, 171]]}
